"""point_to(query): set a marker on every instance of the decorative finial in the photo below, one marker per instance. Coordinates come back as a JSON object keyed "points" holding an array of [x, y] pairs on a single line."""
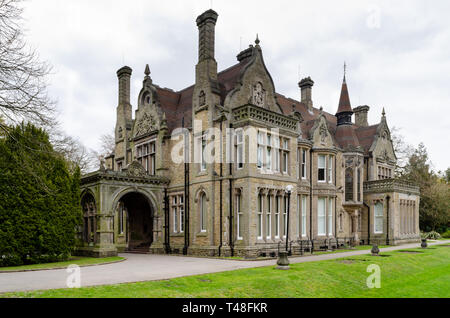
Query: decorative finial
{"points": [[257, 41], [345, 72], [147, 70], [384, 113]]}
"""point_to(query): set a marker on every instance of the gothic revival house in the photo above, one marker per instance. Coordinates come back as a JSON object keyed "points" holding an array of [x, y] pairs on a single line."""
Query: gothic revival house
{"points": [[160, 191]]}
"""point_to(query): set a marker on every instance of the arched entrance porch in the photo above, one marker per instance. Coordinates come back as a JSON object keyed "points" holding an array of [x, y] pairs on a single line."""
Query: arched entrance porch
{"points": [[135, 222]]}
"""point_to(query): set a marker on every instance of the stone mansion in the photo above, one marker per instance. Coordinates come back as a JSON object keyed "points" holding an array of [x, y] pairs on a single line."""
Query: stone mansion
{"points": [[206, 170]]}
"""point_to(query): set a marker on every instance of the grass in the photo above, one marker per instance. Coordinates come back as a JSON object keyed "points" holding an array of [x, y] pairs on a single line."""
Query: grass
{"points": [[80, 261], [403, 275]]}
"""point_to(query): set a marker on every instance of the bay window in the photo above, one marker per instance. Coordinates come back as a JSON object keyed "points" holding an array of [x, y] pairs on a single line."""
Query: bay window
{"points": [[321, 216]]}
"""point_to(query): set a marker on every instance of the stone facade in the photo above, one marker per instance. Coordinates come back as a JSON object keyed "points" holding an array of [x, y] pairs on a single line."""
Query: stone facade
{"points": [[204, 171]]}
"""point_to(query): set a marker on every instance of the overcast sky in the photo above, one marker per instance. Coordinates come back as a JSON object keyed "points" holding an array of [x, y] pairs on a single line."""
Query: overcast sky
{"points": [[397, 54]]}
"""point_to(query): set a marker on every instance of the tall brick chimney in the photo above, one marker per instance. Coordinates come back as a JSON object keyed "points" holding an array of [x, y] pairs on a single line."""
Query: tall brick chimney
{"points": [[206, 23], [124, 76], [361, 113], [306, 85]]}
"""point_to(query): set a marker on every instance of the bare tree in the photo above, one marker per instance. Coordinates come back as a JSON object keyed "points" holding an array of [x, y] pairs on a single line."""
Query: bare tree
{"points": [[107, 144], [402, 149], [74, 152], [23, 86]]}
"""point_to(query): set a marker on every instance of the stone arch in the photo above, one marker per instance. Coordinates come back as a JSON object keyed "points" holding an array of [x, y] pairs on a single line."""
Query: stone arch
{"points": [[134, 212], [89, 207]]}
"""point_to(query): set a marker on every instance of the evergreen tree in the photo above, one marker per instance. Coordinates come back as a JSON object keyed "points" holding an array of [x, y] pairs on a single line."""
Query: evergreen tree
{"points": [[39, 199]]}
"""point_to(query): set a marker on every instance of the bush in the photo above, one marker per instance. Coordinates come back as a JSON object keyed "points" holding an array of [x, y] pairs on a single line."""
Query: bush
{"points": [[433, 235], [446, 234], [39, 199]]}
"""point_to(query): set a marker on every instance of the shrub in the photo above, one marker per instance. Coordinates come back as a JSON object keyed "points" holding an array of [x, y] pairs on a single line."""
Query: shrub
{"points": [[39, 199], [433, 235], [446, 234]]}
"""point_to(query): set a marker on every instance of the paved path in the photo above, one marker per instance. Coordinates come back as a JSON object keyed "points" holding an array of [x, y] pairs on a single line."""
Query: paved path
{"points": [[152, 267]]}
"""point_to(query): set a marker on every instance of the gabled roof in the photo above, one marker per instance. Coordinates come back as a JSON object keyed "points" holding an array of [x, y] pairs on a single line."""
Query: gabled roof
{"points": [[178, 105]]}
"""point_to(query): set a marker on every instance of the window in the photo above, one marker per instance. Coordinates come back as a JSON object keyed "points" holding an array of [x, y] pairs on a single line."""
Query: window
{"points": [[384, 173], [304, 198], [260, 209], [277, 216], [203, 213], [285, 156], [175, 220], [121, 218], [321, 230], [178, 213], [240, 148], [260, 149], [203, 154], [349, 184], [269, 159], [303, 164], [269, 218], [378, 218], [239, 216], [358, 184], [277, 153], [330, 217], [330, 169], [321, 167], [285, 162], [119, 166], [146, 156]]}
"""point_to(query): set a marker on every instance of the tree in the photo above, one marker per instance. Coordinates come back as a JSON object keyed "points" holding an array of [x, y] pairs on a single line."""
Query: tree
{"points": [[23, 86], [39, 199]]}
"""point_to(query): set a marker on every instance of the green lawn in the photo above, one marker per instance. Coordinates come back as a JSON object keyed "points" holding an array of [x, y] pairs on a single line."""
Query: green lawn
{"points": [[80, 261], [425, 274]]}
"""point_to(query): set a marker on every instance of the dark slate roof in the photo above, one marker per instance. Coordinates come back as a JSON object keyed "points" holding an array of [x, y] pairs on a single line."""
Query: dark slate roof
{"points": [[178, 105], [344, 101]]}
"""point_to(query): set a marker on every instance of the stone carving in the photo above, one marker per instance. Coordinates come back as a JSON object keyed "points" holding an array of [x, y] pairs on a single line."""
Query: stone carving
{"points": [[135, 169], [323, 134], [146, 125], [259, 95]]}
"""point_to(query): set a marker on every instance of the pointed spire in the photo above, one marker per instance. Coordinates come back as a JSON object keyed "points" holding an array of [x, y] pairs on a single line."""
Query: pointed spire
{"points": [[257, 41], [383, 113], [345, 111], [147, 70], [345, 72], [344, 101]]}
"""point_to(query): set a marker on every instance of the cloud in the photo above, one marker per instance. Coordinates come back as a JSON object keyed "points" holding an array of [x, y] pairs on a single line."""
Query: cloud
{"points": [[397, 55]]}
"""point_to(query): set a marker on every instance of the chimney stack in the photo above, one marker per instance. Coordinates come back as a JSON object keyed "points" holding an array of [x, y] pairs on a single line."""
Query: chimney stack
{"points": [[206, 24], [124, 76], [361, 113], [306, 85]]}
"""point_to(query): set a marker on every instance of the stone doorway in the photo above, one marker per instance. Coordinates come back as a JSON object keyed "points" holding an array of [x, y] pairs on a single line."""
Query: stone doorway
{"points": [[137, 221]]}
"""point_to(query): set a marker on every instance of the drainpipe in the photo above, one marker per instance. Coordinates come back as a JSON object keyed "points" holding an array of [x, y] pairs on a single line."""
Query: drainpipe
{"points": [[221, 194], [388, 227], [186, 192], [167, 223], [368, 222], [335, 200], [231, 206], [310, 195]]}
